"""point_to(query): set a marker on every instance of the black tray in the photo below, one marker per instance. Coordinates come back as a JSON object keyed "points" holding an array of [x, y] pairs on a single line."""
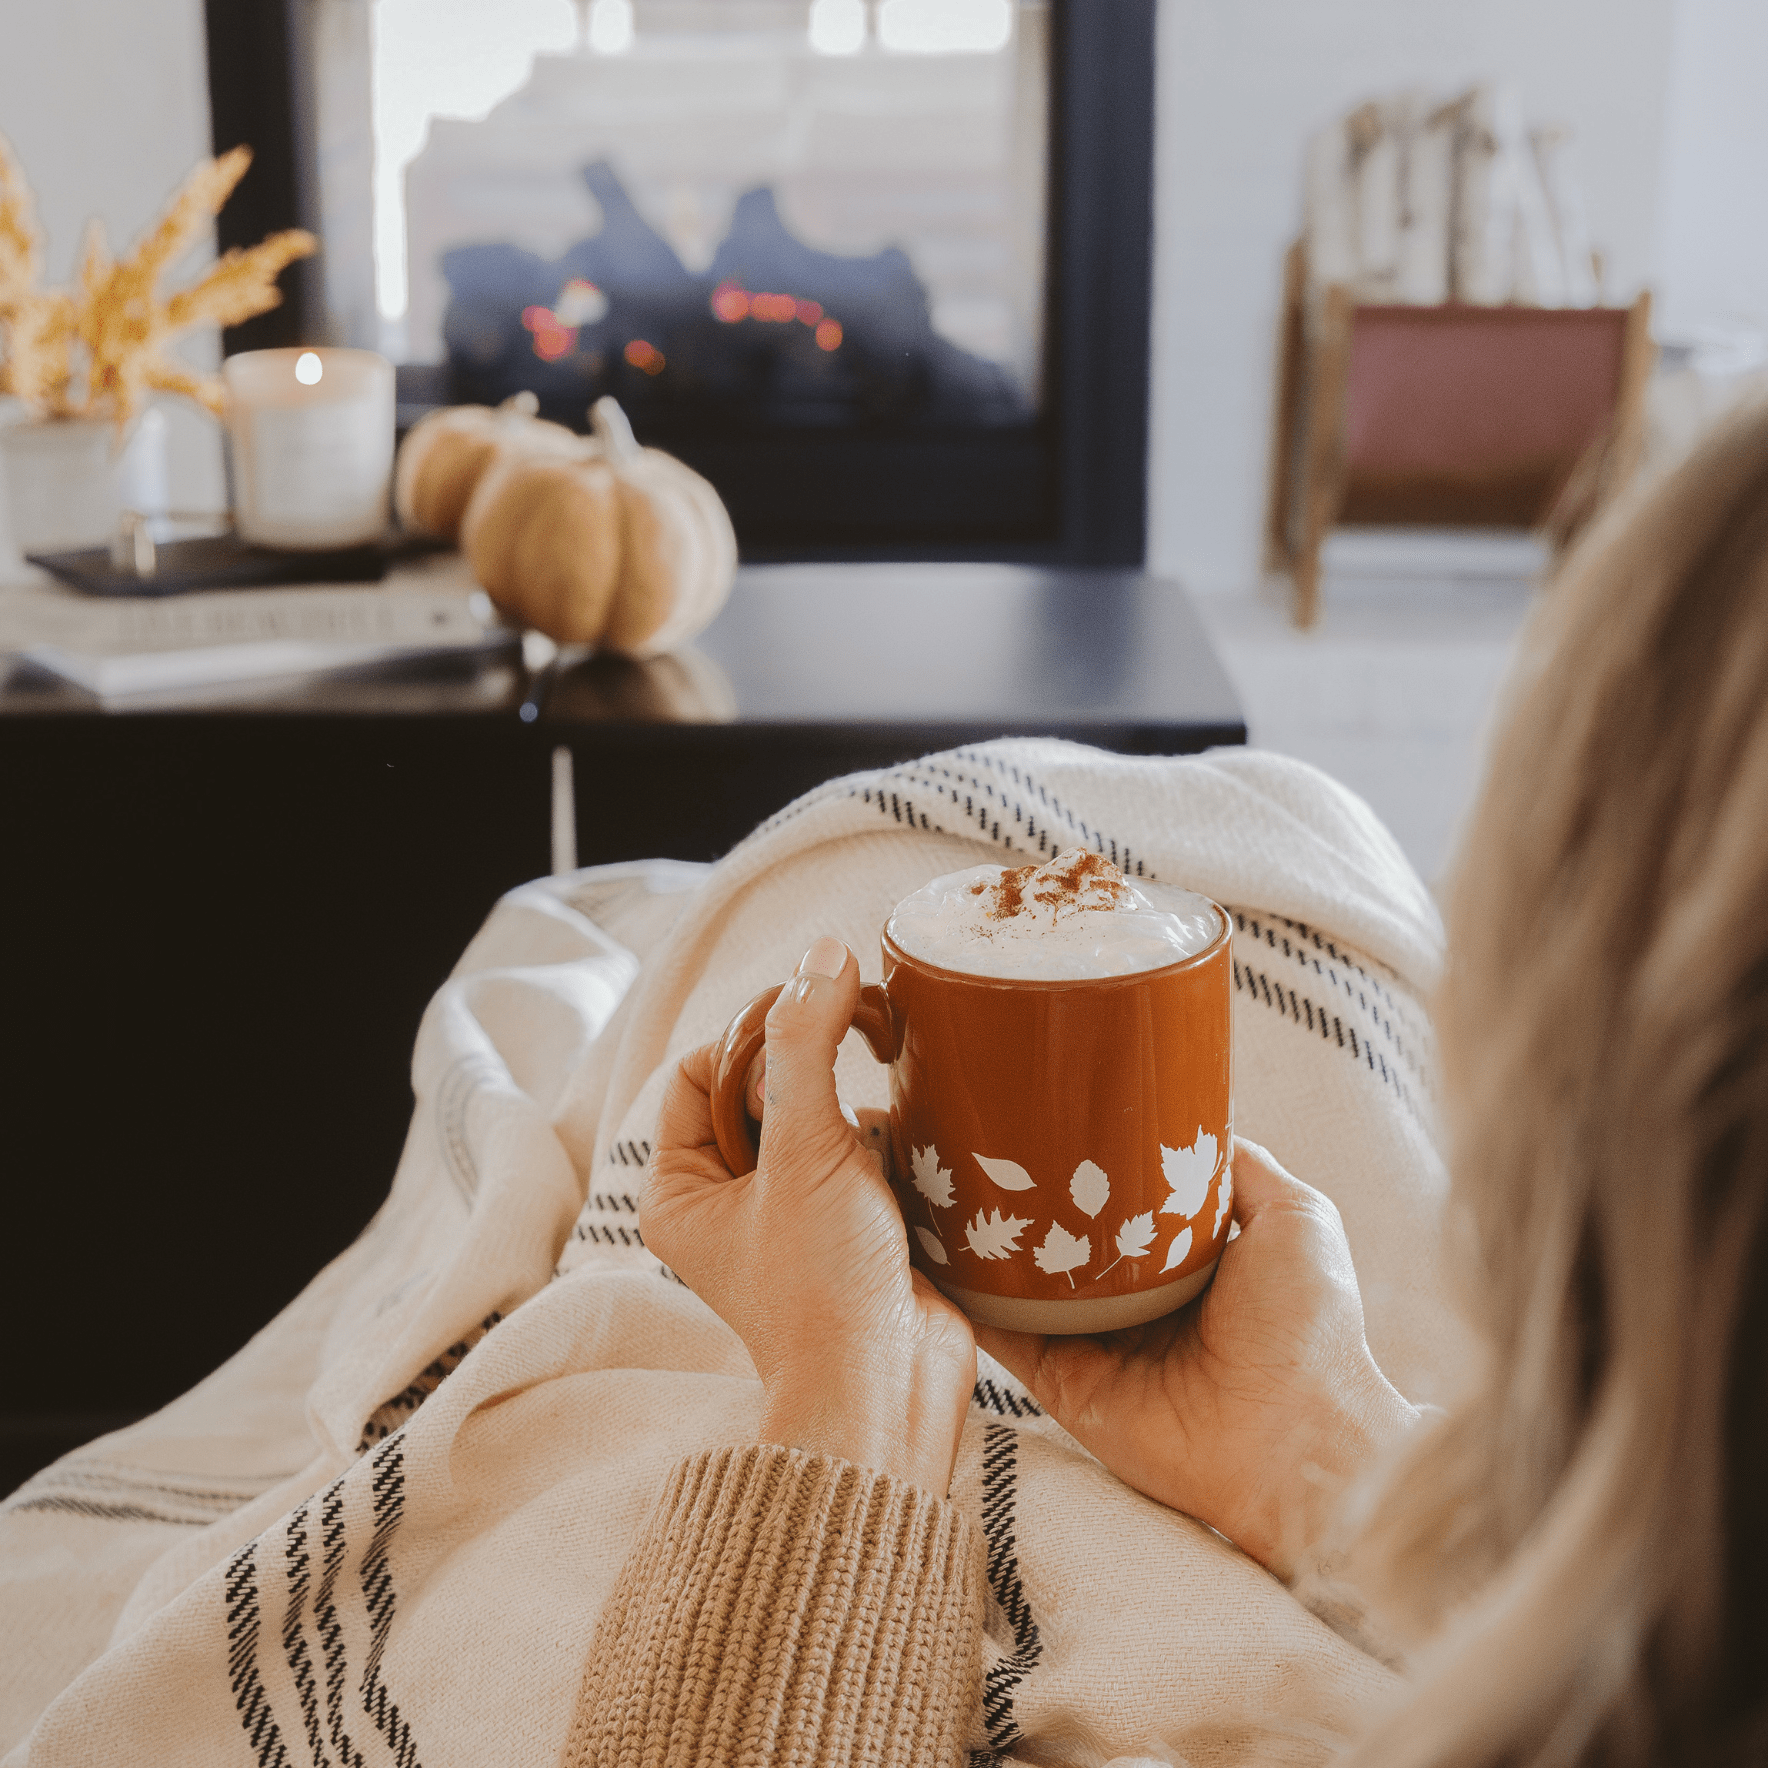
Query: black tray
{"points": [[224, 561]]}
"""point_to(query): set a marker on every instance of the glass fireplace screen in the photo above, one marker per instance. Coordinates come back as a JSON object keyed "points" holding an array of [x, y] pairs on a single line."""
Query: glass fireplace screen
{"points": [[727, 213]]}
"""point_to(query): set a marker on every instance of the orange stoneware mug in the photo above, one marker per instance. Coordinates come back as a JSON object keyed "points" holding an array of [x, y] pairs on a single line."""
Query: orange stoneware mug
{"points": [[1059, 1147]]}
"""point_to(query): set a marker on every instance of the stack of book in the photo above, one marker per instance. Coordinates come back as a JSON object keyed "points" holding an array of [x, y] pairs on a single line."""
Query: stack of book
{"points": [[117, 646]]}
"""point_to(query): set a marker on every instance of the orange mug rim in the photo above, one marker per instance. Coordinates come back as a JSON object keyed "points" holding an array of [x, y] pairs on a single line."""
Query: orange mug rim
{"points": [[1124, 979]]}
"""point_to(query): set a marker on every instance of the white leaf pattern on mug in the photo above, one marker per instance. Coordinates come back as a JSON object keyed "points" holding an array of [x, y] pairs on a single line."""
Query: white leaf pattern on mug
{"points": [[932, 1180], [1136, 1236], [1224, 1199], [1180, 1249], [1089, 1188], [930, 1244], [1133, 1241], [1062, 1253], [1008, 1174], [1188, 1172], [997, 1237]]}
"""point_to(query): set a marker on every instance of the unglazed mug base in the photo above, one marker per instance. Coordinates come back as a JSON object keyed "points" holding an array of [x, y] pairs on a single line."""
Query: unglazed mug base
{"points": [[1085, 1314]]}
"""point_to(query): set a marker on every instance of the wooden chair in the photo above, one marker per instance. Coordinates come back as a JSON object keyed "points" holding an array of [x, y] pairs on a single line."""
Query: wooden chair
{"points": [[1447, 417]]}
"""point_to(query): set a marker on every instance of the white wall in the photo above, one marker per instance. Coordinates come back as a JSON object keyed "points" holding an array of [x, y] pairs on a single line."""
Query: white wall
{"points": [[106, 103], [1713, 236], [1240, 86]]}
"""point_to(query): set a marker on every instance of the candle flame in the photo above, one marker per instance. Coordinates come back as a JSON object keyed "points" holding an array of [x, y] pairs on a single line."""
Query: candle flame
{"points": [[308, 368]]}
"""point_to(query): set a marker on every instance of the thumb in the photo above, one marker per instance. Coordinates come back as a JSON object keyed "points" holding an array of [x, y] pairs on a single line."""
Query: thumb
{"points": [[1261, 1183], [803, 1125]]}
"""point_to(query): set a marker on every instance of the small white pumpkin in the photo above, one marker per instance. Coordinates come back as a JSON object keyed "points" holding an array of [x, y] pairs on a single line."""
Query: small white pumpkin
{"points": [[447, 452], [611, 545]]}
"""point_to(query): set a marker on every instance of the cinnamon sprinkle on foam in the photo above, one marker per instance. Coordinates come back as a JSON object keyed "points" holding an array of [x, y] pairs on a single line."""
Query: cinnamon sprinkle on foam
{"points": [[1075, 879]]}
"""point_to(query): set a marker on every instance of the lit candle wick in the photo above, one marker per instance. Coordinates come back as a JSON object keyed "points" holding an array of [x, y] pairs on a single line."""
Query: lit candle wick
{"points": [[308, 368]]}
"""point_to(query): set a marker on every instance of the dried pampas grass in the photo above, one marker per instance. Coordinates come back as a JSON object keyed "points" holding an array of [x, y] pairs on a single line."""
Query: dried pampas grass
{"points": [[21, 256], [96, 350]]}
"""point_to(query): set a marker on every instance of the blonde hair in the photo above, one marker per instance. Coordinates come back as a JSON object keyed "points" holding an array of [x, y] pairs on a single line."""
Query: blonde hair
{"points": [[1588, 1535]]}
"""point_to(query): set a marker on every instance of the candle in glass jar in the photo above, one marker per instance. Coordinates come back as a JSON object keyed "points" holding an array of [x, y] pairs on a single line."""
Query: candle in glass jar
{"points": [[312, 435]]}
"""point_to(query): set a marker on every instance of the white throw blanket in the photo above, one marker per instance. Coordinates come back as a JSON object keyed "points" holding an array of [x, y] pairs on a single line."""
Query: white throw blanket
{"points": [[383, 1531]]}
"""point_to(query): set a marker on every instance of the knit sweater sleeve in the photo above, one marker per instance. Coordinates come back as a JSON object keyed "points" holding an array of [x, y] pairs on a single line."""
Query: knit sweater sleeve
{"points": [[785, 1607]]}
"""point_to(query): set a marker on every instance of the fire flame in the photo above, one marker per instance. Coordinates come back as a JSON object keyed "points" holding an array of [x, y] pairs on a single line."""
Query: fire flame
{"points": [[551, 339], [731, 303]]}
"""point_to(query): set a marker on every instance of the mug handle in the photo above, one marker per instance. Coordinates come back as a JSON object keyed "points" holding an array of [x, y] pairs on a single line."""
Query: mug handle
{"points": [[742, 1043]]}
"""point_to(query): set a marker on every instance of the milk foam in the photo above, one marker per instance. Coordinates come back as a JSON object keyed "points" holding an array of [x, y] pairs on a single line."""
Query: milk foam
{"points": [[1074, 917]]}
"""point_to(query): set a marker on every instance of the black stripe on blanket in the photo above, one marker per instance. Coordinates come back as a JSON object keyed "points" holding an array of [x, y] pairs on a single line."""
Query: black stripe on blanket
{"points": [[600, 1234], [389, 1415], [315, 1642], [106, 1491], [978, 795], [249, 1699], [294, 1633], [195, 1489], [1003, 1401], [1336, 971], [98, 1512], [329, 1623], [454, 1094], [1000, 1483], [377, 1588], [1345, 990], [1010, 808], [593, 1226]]}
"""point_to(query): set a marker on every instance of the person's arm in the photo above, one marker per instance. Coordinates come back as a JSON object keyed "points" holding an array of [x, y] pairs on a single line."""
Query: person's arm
{"points": [[813, 1596], [784, 1606]]}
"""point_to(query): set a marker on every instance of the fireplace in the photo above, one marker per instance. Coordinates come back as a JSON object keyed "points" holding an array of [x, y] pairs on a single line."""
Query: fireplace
{"points": [[878, 268]]}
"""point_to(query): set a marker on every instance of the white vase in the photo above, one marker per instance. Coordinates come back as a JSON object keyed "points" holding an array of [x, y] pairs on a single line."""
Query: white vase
{"points": [[67, 481]]}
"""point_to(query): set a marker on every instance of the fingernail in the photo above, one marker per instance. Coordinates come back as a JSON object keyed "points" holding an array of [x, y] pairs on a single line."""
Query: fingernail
{"points": [[827, 957]]}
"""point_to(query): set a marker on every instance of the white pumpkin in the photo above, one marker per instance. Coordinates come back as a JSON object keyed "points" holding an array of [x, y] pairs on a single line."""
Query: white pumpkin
{"points": [[611, 545], [447, 452]]}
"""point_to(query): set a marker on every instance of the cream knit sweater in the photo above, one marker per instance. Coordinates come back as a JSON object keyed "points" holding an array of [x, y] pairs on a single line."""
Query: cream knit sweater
{"points": [[780, 1607]]}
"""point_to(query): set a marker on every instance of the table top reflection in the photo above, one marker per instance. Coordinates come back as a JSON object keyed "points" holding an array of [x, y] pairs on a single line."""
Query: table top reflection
{"points": [[959, 651], [964, 649]]}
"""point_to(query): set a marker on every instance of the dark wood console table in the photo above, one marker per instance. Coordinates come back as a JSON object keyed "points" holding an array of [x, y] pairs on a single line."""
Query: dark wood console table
{"points": [[226, 911]]}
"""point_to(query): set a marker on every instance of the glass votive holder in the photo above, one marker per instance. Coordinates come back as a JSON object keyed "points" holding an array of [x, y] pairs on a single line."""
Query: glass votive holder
{"points": [[312, 435]]}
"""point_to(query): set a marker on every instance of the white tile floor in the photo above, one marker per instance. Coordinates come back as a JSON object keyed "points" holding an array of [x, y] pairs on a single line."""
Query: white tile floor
{"points": [[1393, 690]]}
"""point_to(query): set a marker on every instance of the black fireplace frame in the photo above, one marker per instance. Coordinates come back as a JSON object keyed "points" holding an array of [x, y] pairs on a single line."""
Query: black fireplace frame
{"points": [[1069, 487]]}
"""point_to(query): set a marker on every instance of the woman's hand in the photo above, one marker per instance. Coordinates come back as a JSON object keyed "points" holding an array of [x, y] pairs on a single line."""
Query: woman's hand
{"points": [[1250, 1409], [806, 1258]]}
